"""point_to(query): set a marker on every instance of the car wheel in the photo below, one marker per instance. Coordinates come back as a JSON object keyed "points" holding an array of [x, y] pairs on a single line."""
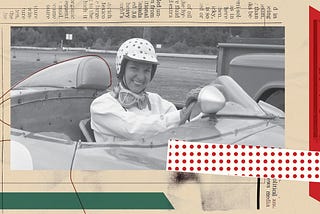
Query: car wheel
{"points": [[276, 99]]}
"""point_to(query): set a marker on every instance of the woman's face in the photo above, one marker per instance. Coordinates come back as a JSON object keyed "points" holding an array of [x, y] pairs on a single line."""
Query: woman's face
{"points": [[137, 75]]}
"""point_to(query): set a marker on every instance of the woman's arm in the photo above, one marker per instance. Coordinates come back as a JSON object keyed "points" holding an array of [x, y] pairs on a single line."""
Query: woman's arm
{"points": [[108, 117]]}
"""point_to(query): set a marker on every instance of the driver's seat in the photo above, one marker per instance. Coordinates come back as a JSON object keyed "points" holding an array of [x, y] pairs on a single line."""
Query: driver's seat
{"points": [[86, 130]]}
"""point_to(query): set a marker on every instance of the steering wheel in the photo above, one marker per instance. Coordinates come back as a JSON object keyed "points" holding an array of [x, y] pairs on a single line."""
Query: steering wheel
{"points": [[191, 111]]}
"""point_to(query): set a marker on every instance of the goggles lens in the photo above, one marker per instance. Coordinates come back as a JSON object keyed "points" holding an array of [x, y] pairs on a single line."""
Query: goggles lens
{"points": [[127, 99]]}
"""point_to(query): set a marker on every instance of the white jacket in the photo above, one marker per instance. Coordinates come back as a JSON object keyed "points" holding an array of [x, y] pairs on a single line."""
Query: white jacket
{"points": [[111, 122]]}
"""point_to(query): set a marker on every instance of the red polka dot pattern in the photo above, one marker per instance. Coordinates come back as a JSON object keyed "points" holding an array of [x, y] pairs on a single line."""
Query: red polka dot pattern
{"points": [[241, 160]]}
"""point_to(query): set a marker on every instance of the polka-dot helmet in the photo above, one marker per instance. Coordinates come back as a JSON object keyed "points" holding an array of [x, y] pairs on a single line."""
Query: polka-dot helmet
{"points": [[136, 49]]}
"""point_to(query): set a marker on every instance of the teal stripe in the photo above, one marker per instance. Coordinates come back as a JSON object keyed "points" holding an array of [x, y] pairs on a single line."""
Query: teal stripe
{"points": [[89, 200]]}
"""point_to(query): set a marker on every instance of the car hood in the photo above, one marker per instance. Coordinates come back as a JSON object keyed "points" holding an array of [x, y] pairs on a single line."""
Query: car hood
{"points": [[57, 153], [230, 130]]}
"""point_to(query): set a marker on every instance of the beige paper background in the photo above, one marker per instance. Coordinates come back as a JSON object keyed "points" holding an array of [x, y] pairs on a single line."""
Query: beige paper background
{"points": [[185, 198]]}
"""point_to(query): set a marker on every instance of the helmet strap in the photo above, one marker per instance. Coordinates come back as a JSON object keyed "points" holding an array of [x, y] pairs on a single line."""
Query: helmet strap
{"points": [[122, 69], [124, 83], [154, 68]]}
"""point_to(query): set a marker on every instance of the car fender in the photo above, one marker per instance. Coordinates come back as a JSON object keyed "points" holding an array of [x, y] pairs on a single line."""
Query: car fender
{"points": [[267, 87]]}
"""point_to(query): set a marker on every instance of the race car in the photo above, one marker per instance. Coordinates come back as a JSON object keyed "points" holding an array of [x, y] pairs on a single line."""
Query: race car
{"points": [[50, 118]]}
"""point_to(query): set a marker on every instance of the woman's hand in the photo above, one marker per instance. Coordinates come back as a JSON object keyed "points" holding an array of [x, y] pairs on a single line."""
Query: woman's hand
{"points": [[192, 95], [186, 112], [191, 101]]}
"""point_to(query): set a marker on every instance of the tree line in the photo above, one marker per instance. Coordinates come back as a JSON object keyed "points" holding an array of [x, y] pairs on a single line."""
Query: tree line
{"points": [[199, 40]]}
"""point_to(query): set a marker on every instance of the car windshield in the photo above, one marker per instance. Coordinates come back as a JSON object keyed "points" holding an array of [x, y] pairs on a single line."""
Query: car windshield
{"points": [[59, 75], [238, 102], [236, 110]]}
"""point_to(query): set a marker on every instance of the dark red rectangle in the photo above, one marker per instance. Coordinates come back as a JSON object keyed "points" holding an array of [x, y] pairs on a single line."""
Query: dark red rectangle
{"points": [[314, 90]]}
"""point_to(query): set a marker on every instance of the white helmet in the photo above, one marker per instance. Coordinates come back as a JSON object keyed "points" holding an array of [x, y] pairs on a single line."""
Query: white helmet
{"points": [[136, 49]]}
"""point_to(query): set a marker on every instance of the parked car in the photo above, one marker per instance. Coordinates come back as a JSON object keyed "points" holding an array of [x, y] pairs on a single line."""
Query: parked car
{"points": [[50, 114], [257, 65]]}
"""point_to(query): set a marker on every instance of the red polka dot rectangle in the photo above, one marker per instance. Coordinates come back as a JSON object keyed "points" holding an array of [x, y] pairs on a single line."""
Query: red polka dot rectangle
{"points": [[241, 160]]}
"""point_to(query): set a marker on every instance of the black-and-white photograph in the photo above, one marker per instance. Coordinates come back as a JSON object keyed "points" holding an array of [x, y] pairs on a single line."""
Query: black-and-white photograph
{"points": [[110, 98]]}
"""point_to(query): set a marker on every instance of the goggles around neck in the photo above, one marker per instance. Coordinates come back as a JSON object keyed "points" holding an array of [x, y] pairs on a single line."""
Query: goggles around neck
{"points": [[129, 99]]}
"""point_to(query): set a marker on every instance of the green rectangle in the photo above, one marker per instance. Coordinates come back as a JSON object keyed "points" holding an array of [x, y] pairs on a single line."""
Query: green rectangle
{"points": [[89, 200]]}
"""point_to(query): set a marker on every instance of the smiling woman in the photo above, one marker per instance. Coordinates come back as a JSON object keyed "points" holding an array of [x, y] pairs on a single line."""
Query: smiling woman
{"points": [[137, 76], [128, 111]]}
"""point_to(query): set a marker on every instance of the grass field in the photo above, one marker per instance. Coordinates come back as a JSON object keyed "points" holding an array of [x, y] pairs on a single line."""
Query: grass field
{"points": [[174, 77]]}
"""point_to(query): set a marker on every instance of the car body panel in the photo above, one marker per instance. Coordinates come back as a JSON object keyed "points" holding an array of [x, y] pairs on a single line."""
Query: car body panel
{"points": [[57, 152], [267, 71]]}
